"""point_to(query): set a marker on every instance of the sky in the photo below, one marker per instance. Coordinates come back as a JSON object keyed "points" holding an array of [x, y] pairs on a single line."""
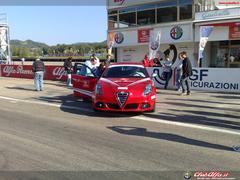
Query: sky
{"points": [[57, 24]]}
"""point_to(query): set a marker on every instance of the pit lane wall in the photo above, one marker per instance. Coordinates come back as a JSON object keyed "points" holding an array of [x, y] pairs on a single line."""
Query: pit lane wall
{"points": [[56, 73], [208, 79]]}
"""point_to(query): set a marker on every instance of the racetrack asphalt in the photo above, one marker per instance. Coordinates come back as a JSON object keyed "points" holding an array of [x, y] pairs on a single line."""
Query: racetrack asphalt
{"points": [[53, 131]]}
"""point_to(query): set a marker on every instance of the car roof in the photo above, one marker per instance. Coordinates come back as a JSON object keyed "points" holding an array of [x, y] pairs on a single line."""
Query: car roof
{"points": [[126, 64]]}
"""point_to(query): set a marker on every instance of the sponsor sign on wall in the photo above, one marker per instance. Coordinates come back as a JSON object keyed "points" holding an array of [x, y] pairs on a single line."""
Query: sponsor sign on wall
{"points": [[234, 32], [143, 35], [208, 79], [216, 79], [19, 71], [217, 14], [170, 35]]}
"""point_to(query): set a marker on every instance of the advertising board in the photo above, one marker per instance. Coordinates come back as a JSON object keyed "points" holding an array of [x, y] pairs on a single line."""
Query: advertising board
{"points": [[19, 71], [208, 79]]}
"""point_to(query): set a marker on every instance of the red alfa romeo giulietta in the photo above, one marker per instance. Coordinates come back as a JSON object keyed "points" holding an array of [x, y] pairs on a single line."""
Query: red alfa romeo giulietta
{"points": [[121, 87]]}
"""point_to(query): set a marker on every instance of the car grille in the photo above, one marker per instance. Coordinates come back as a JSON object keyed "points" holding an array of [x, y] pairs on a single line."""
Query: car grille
{"points": [[113, 106], [131, 106], [122, 97]]}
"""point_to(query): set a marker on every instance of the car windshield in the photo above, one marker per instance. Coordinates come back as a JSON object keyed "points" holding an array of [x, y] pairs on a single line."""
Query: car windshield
{"points": [[126, 72]]}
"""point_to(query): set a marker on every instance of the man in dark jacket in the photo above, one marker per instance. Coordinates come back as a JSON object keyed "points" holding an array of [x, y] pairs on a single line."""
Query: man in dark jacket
{"points": [[68, 68], [186, 73], [38, 68]]}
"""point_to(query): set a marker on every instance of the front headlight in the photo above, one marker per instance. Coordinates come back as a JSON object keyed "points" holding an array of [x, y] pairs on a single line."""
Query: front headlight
{"points": [[147, 90], [98, 89]]}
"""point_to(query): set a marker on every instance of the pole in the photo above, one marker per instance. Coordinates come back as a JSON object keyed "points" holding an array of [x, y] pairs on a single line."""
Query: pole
{"points": [[200, 62]]}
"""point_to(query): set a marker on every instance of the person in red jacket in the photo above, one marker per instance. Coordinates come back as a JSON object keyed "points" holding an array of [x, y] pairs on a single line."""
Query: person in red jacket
{"points": [[145, 61], [150, 62]]}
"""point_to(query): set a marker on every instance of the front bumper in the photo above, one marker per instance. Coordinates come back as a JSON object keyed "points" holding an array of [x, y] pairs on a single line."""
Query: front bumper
{"points": [[132, 104]]}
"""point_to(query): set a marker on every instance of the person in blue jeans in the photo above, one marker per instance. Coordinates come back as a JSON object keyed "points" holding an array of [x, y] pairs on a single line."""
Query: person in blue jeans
{"points": [[167, 70], [186, 73], [68, 68], [177, 66], [38, 68]]}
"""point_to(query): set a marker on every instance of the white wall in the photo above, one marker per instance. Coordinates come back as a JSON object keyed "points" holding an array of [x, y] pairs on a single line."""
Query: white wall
{"points": [[132, 53], [137, 53]]}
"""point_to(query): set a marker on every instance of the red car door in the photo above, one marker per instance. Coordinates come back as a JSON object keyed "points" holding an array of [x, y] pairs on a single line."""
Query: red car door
{"points": [[84, 81]]}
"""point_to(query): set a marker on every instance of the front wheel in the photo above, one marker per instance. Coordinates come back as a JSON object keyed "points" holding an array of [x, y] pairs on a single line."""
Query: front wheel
{"points": [[96, 110]]}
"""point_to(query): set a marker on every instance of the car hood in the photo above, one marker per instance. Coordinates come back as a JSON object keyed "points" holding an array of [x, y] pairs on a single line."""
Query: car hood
{"points": [[125, 83]]}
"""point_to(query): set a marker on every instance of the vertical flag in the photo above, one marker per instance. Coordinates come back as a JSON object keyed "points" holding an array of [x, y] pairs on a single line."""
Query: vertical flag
{"points": [[154, 44], [205, 32], [110, 43]]}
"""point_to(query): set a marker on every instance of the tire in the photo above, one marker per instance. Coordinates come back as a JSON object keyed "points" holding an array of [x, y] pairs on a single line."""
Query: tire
{"points": [[96, 110]]}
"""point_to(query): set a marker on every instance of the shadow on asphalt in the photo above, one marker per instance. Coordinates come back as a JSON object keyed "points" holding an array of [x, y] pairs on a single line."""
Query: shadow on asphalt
{"points": [[136, 131], [168, 92], [59, 83], [228, 97], [180, 104], [70, 101], [196, 119], [203, 101], [204, 113], [21, 88]]}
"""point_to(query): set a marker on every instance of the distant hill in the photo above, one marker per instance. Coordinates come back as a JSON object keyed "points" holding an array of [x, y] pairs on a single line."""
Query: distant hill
{"points": [[27, 44], [104, 43], [33, 44], [31, 48]]}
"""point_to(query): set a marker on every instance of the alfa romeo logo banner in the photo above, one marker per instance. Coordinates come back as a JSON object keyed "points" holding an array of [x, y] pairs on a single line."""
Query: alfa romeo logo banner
{"points": [[176, 32], [154, 44], [119, 38]]}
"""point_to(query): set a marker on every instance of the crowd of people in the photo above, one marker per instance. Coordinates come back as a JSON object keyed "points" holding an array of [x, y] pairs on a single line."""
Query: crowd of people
{"points": [[92, 66], [182, 66]]}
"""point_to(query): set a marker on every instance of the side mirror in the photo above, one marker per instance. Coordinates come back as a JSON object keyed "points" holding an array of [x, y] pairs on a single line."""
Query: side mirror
{"points": [[153, 75]]}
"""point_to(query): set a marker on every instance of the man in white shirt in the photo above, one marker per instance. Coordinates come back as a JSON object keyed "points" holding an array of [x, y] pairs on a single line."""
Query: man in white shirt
{"points": [[92, 64], [97, 59]]}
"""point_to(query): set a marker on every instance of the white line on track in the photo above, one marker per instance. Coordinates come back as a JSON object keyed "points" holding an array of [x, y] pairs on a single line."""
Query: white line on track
{"points": [[180, 124], [45, 103]]}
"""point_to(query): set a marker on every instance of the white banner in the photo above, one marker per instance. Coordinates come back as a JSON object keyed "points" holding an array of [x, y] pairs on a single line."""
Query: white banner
{"points": [[205, 32], [110, 43], [154, 44]]}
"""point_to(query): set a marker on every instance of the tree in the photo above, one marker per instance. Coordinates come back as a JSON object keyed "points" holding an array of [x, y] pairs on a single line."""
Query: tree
{"points": [[24, 52]]}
